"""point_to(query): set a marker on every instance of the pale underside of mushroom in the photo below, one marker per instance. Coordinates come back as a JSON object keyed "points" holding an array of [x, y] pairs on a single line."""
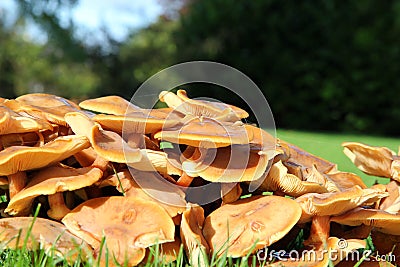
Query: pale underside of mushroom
{"points": [[22, 158], [336, 203], [227, 164], [371, 160]]}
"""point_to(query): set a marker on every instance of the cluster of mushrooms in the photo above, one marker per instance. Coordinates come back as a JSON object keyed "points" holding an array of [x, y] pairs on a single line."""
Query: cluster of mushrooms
{"points": [[111, 176]]}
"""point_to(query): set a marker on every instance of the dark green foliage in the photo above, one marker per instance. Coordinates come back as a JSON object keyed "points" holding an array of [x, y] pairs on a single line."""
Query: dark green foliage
{"points": [[323, 65]]}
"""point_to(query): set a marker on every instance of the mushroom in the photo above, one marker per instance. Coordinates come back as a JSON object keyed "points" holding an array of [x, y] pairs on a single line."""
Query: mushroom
{"points": [[12, 122], [109, 104], [382, 221], [206, 132], [230, 192], [227, 164], [301, 157], [371, 160], [106, 144], [43, 106], [148, 186], [46, 234], [221, 111], [52, 181], [278, 179], [250, 224], [138, 122], [194, 243], [128, 224], [166, 252], [17, 159], [22, 158], [326, 204], [391, 203]]}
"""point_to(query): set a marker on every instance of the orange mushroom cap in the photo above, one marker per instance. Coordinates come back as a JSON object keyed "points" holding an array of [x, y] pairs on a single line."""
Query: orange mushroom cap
{"points": [[250, 224]]}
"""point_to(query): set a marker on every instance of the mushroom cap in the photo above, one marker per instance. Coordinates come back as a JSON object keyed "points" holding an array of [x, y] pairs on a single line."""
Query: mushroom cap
{"points": [[112, 104], [168, 252], [371, 160], [336, 203], [382, 221], [150, 187], [137, 122], [391, 203], [106, 144], [127, 223], [45, 234], [49, 107], [11, 122], [22, 158], [227, 164], [194, 243], [303, 158], [50, 181], [46, 100], [221, 111], [278, 179], [206, 132], [262, 140], [345, 180], [250, 224]]}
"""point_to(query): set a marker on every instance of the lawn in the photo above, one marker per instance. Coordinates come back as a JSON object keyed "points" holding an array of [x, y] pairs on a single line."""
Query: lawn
{"points": [[328, 146]]}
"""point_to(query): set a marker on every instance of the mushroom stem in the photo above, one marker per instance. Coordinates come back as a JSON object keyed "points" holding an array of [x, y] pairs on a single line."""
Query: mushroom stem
{"points": [[58, 209], [319, 232], [185, 180], [100, 163], [17, 182]]}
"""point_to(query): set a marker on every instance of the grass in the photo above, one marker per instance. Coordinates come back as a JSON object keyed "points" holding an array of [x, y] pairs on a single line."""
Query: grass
{"points": [[328, 146], [325, 145]]}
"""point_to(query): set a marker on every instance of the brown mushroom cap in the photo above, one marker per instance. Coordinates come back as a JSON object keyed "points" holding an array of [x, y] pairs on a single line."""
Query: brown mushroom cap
{"points": [[279, 180], [110, 105], [227, 164], [195, 244], [11, 122], [371, 160], [221, 111], [391, 203], [50, 181], [303, 158], [22, 158], [46, 100], [206, 132], [382, 221], [49, 107], [106, 144], [250, 224], [336, 203], [45, 234], [128, 224], [151, 188], [136, 123]]}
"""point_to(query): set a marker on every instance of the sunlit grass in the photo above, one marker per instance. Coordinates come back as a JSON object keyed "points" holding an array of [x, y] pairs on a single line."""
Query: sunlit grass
{"points": [[328, 146]]}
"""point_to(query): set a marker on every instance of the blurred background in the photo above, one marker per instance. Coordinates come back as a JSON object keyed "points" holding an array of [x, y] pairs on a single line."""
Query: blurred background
{"points": [[322, 65]]}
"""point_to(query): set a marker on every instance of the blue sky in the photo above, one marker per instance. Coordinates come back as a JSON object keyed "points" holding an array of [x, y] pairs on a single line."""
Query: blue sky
{"points": [[117, 16]]}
